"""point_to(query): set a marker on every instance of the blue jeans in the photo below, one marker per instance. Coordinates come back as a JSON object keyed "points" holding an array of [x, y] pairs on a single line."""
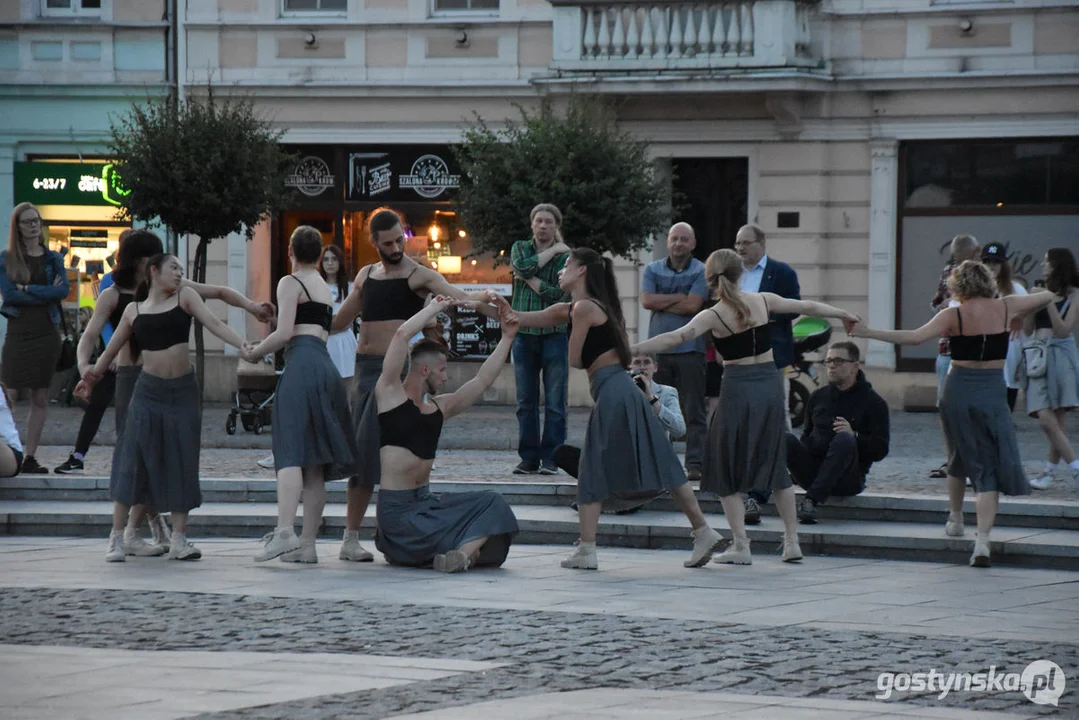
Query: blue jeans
{"points": [[532, 355]]}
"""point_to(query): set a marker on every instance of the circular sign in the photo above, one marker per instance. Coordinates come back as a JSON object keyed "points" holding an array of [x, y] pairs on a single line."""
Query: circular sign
{"points": [[312, 176], [430, 177]]}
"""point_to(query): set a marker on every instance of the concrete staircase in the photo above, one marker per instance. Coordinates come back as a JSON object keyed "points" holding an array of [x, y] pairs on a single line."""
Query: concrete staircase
{"points": [[1030, 531]]}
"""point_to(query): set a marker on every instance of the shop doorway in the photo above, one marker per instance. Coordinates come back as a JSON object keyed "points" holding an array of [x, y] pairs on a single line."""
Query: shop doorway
{"points": [[712, 195]]}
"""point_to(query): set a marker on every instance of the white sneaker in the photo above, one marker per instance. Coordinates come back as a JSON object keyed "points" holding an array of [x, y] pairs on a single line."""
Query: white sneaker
{"points": [[980, 557], [705, 542], [135, 545], [792, 551], [352, 550], [737, 554], [454, 561], [582, 558], [116, 547], [277, 543], [1043, 481], [181, 549], [306, 554], [159, 530], [954, 527], [266, 462]]}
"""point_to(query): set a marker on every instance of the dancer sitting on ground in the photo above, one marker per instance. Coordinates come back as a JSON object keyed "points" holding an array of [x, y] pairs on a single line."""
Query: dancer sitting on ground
{"points": [[626, 451], [978, 428], [312, 428], [747, 432], [10, 443], [452, 531], [846, 430], [663, 399], [158, 461]]}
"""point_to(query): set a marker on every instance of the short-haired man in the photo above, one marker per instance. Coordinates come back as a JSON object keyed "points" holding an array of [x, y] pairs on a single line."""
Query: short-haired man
{"points": [[663, 400], [452, 531], [388, 293], [674, 290], [846, 430], [764, 274], [964, 247], [536, 263]]}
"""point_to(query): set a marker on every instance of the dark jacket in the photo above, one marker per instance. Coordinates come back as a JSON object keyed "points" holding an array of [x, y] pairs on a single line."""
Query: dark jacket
{"points": [[780, 278], [862, 407], [52, 293]]}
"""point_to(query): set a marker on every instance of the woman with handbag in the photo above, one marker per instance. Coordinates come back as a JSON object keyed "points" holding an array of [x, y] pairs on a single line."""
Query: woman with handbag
{"points": [[1051, 363], [33, 282]]}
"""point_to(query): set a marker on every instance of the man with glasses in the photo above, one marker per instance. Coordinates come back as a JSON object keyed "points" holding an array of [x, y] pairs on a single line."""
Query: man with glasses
{"points": [[846, 431]]}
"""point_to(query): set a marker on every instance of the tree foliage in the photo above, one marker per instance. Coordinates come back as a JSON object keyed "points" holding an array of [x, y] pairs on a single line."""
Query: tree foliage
{"points": [[601, 178]]}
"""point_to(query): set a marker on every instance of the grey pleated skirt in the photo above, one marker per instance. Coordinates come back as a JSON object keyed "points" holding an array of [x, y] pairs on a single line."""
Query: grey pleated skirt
{"points": [[126, 377], [746, 447], [980, 433], [311, 423], [626, 452], [162, 434], [365, 420], [415, 525]]}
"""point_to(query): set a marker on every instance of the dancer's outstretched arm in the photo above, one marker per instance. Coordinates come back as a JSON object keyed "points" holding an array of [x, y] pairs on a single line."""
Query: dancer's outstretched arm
{"points": [[943, 323], [702, 322], [780, 304]]}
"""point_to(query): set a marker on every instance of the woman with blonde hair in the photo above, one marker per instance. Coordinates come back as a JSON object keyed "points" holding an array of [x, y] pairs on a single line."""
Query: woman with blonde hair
{"points": [[978, 428], [746, 447], [33, 282]]}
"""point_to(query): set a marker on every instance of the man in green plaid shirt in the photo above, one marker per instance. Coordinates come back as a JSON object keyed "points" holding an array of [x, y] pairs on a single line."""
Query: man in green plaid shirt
{"points": [[536, 264]]}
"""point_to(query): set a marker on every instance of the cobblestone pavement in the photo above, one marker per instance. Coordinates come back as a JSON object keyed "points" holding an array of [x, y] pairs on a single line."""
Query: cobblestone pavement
{"points": [[544, 650]]}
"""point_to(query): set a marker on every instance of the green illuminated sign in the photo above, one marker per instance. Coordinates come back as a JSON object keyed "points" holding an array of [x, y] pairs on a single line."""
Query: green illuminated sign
{"points": [[61, 183]]}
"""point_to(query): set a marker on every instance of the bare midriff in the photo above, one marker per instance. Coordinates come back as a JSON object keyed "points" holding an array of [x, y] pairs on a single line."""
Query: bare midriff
{"points": [[401, 470]]}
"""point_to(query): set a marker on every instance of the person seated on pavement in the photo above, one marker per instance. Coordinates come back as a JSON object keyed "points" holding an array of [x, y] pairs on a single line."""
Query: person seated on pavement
{"points": [[664, 401], [453, 531], [846, 430]]}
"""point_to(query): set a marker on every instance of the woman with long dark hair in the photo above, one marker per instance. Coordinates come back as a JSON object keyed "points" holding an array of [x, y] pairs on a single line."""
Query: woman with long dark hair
{"points": [[313, 441], [159, 462], [747, 431], [33, 282], [341, 345], [626, 452], [978, 428], [1053, 389]]}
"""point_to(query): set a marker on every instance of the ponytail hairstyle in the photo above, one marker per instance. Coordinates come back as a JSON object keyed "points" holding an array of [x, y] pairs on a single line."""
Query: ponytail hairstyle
{"points": [[157, 262], [602, 287], [722, 271]]}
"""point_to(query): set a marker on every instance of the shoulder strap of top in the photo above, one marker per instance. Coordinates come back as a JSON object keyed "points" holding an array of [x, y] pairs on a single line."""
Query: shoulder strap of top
{"points": [[713, 309], [1005, 314], [959, 315], [413, 271], [765, 300], [303, 286]]}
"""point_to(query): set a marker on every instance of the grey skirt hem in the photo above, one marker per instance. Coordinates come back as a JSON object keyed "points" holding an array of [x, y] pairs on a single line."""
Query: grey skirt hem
{"points": [[746, 446], [415, 525], [311, 422], [626, 452], [980, 433], [364, 411]]}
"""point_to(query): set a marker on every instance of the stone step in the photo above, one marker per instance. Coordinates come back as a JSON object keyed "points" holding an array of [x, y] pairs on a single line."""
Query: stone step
{"points": [[557, 525], [1030, 512]]}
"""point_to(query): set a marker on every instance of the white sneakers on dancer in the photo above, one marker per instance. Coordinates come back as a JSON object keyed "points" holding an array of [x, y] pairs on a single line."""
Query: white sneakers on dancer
{"points": [[980, 557], [582, 558], [181, 549], [159, 530], [705, 542], [454, 561], [792, 551], [134, 545], [1047, 476], [266, 463], [736, 554], [954, 527], [277, 543], [116, 547], [352, 550], [306, 554]]}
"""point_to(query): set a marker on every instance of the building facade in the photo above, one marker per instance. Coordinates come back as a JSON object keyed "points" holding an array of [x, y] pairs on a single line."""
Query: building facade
{"points": [[861, 135]]}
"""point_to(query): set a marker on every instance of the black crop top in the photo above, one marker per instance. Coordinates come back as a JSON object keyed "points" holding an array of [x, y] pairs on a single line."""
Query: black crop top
{"points": [[124, 299], [405, 426], [982, 348], [748, 343], [389, 299], [311, 312], [160, 331], [598, 340], [1041, 318]]}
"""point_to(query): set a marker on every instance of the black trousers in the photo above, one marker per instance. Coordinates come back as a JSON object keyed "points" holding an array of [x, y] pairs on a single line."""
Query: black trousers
{"points": [[686, 373], [835, 474], [100, 399]]}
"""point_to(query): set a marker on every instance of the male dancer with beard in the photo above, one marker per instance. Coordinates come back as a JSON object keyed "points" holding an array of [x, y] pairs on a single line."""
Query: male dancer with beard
{"points": [[385, 295]]}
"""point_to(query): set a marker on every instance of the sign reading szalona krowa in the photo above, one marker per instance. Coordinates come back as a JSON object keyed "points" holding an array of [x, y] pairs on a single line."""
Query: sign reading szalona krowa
{"points": [[64, 183]]}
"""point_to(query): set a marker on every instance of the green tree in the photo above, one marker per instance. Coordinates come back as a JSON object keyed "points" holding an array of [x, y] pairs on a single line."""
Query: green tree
{"points": [[601, 178], [205, 166]]}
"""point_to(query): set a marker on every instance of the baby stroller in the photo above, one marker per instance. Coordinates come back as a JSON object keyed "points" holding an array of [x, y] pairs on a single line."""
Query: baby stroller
{"points": [[256, 387], [810, 333]]}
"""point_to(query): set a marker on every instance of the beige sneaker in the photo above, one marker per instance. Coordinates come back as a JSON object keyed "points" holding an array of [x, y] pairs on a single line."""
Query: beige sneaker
{"points": [[954, 527], [705, 542], [159, 530], [737, 554], [116, 547], [277, 543], [352, 550], [181, 549], [306, 554], [980, 557], [792, 551], [135, 545], [582, 558], [454, 561]]}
